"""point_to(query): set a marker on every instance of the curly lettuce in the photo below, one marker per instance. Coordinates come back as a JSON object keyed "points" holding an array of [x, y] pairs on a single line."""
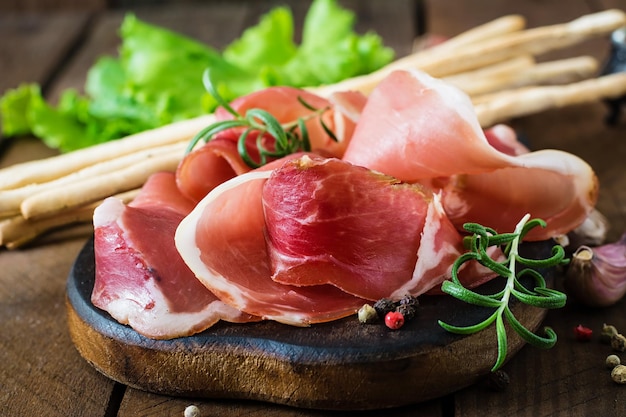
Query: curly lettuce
{"points": [[157, 77]]}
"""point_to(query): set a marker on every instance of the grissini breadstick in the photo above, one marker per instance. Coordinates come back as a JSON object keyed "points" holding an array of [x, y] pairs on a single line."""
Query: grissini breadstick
{"points": [[521, 72], [17, 231], [534, 41], [493, 77], [366, 83], [562, 71], [499, 107], [88, 190], [51, 168], [489, 30], [11, 200]]}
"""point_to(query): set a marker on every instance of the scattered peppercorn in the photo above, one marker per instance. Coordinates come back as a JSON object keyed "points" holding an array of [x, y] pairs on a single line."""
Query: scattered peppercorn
{"points": [[408, 306], [583, 334], [618, 374], [394, 320], [612, 361], [384, 306], [367, 314], [192, 411], [608, 331], [618, 342], [409, 300], [498, 380]]}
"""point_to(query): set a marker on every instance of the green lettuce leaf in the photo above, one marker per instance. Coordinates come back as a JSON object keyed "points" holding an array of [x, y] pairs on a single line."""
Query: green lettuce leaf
{"points": [[157, 77]]}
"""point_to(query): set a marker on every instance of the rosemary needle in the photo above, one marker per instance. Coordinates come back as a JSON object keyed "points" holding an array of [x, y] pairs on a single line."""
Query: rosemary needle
{"points": [[540, 296], [256, 123]]}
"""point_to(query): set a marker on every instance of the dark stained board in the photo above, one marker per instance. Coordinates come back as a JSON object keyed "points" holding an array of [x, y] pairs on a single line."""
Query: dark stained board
{"points": [[341, 365]]}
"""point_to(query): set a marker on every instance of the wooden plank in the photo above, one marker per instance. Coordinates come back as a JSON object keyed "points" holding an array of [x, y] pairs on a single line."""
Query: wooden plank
{"points": [[216, 26], [33, 46], [51, 5], [570, 379], [41, 371], [45, 373], [140, 404]]}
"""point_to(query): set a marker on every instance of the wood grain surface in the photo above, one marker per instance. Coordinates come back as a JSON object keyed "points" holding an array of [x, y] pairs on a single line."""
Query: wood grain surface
{"points": [[41, 373]]}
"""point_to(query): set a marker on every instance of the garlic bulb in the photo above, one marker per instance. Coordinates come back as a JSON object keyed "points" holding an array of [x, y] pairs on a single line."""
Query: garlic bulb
{"points": [[597, 276]]}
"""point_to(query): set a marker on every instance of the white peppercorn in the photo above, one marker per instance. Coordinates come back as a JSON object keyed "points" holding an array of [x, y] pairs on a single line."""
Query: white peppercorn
{"points": [[192, 411], [612, 361], [618, 342], [618, 374], [367, 314]]}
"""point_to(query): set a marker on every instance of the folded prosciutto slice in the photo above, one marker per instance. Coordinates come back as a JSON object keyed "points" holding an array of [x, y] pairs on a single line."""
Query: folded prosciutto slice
{"points": [[219, 159], [420, 129], [330, 222], [309, 241], [141, 280]]}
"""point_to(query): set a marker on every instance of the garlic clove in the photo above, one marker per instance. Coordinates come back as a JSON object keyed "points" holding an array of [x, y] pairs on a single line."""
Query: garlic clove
{"points": [[592, 232], [597, 276]]}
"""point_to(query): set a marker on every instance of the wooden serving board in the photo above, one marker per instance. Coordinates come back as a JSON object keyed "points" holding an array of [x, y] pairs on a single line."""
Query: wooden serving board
{"points": [[342, 365]]}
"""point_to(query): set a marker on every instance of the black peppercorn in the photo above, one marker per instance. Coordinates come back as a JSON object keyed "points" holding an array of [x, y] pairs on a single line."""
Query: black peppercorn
{"points": [[384, 306]]}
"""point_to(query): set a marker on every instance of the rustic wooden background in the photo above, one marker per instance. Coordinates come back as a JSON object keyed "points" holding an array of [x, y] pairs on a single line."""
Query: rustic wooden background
{"points": [[42, 374]]}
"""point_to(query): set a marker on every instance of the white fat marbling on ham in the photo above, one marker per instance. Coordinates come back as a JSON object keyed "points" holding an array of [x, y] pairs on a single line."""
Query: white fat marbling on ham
{"points": [[440, 245]]}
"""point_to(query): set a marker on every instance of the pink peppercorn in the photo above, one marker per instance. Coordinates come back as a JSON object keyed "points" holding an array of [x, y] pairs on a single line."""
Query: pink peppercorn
{"points": [[583, 334], [394, 320]]}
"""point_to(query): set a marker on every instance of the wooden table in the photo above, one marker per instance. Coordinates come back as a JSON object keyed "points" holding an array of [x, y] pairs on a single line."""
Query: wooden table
{"points": [[42, 374]]}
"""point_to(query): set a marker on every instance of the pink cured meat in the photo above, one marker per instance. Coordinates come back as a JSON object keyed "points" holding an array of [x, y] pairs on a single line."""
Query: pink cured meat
{"points": [[432, 135], [330, 222], [141, 279], [225, 241], [219, 160]]}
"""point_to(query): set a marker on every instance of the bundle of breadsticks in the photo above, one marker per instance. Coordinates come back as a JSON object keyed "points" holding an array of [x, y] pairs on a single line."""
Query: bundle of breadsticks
{"points": [[495, 64]]}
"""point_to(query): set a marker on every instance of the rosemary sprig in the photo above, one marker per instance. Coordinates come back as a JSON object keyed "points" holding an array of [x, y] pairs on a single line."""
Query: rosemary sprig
{"points": [[540, 296], [288, 137]]}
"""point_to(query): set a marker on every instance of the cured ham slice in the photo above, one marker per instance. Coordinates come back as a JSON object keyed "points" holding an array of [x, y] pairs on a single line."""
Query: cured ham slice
{"points": [[420, 129], [223, 242], [310, 240], [330, 222], [207, 167], [141, 280], [219, 160], [504, 139]]}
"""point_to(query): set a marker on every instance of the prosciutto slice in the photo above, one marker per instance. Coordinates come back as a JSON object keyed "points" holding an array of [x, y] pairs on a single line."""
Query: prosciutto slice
{"points": [[420, 129], [309, 241], [219, 159], [223, 242], [141, 280], [330, 222]]}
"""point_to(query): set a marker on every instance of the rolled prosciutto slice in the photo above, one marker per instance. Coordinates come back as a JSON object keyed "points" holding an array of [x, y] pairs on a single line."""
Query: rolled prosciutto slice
{"points": [[223, 242], [219, 159], [311, 240], [420, 129], [141, 280]]}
